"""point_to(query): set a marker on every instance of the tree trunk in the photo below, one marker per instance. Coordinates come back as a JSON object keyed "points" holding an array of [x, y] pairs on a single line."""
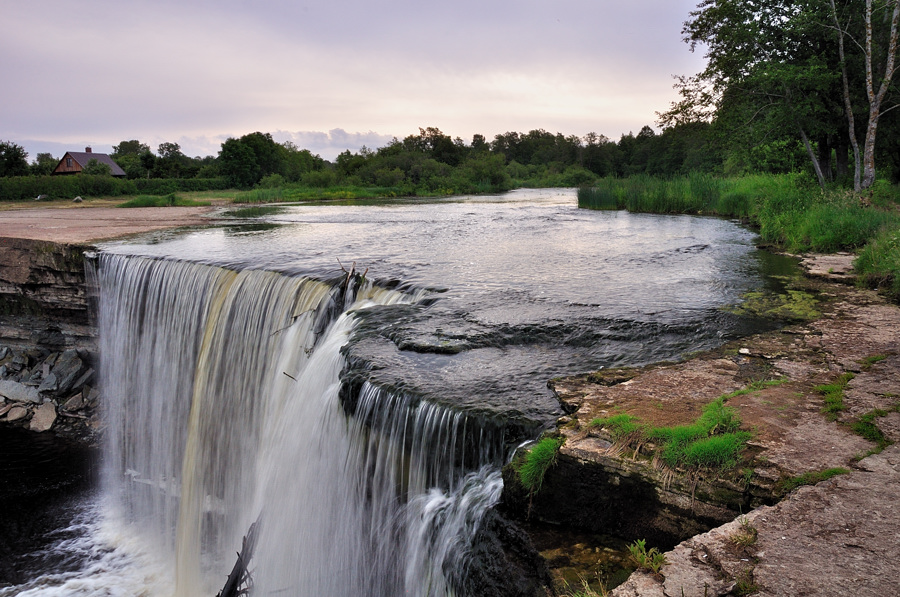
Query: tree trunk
{"points": [[812, 157], [848, 105], [841, 159], [824, 151], [876, 98]]}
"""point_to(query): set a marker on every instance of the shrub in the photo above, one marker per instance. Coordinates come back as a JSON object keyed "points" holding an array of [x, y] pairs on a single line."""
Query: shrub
{"points": [[652, 560], [878, 264]]}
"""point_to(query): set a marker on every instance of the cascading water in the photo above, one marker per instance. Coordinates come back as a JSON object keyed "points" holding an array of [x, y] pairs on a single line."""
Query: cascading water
{"points": [[223, 406]]}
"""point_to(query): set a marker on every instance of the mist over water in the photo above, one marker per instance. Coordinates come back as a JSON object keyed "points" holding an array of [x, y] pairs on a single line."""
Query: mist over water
{"points": [[364, 420]]}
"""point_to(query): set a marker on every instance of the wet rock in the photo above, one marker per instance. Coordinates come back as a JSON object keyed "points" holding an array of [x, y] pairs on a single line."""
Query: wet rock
{"points": [[67, 370], [49, 384], [74, 403], [86, 377], [17, 413], [44, 417], [4, 351], [18, 392]]}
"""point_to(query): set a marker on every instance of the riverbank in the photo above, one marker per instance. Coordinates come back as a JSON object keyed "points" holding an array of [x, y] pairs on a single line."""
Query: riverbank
{"points": [[832, 539]]}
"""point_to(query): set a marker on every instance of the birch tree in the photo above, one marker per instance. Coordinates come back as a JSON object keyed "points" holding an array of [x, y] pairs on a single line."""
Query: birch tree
{"points": [[877, 82]]}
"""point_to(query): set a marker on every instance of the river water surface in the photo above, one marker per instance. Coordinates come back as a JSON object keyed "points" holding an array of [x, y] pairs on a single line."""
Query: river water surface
{"points": [[473, 303]]}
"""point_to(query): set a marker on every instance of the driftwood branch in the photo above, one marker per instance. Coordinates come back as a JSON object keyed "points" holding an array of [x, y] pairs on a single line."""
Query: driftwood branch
{"points": [[239, 581]]}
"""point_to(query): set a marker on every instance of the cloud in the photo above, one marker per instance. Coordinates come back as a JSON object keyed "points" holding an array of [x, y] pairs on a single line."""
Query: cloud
{"points": [[197, 72]]}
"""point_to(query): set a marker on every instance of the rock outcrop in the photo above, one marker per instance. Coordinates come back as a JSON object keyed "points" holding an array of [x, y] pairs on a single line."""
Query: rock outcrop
{"points": [[43, 295]]}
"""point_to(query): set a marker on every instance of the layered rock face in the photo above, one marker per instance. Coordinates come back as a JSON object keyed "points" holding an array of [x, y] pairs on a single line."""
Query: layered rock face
{"points": [[43, 295], [47, 342]]}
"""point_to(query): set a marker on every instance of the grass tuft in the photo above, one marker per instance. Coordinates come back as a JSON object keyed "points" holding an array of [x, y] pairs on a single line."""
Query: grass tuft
{"points": [[834, 395], [537, 461], [811, 478]]}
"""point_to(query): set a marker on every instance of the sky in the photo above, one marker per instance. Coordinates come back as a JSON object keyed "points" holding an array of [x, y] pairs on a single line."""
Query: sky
{"points": [[331, 75]]}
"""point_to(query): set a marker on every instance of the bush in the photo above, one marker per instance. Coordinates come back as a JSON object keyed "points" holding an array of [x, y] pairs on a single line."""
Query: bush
{"points": [[651, 560], [878, 264]]}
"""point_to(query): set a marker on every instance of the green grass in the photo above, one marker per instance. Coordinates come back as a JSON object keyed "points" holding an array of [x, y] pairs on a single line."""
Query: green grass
{"points": [[878, 264], [536, 462], [713, 442], [334, 193], [811, 478], [866, 428], [867, 362], [169, 200], [619, 427], [834, 395]]}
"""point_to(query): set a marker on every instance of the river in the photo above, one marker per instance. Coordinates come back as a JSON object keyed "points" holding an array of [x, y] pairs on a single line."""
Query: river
{"points": [[363, 419]]}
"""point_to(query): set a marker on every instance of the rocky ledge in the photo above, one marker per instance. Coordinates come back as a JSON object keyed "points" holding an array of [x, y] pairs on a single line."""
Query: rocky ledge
{"points": [[818, 540]]}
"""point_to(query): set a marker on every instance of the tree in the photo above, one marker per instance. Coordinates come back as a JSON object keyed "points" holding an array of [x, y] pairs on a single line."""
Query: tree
{"points": [[13, 159], [864, 165], [771, 71], [132, 147], [778, 70], [43, 164], [238, 164], [95, 168]]}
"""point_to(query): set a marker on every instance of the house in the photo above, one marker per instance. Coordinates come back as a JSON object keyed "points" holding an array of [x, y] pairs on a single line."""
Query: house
{"points": [[75, 161]]}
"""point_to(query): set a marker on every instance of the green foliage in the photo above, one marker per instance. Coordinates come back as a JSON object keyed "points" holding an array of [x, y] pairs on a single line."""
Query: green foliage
{"points": [[651, 560], [537, 461], [13, 159], [811, 478], [744, 584], [878, 264], [713, 442], [834, 395], [865, 427], [43, 164], [22, 188], [619, 427], [585, 591], [96, 168], [132, 148], [746, 534]]}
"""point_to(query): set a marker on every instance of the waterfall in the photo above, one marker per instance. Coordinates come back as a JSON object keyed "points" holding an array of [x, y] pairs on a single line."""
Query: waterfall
{"points": [[224, 405]]}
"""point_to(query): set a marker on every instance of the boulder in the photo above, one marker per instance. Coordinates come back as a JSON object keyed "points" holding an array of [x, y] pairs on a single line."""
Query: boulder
{"points": [[44, 417], [18, 392]]}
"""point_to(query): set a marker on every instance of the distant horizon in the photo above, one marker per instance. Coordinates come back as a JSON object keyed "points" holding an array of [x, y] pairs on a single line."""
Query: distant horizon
{"points": [[328, 145]]}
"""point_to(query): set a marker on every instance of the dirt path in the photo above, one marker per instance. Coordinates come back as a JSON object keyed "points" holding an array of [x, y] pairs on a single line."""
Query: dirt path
{"points": [[83, 224]]}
